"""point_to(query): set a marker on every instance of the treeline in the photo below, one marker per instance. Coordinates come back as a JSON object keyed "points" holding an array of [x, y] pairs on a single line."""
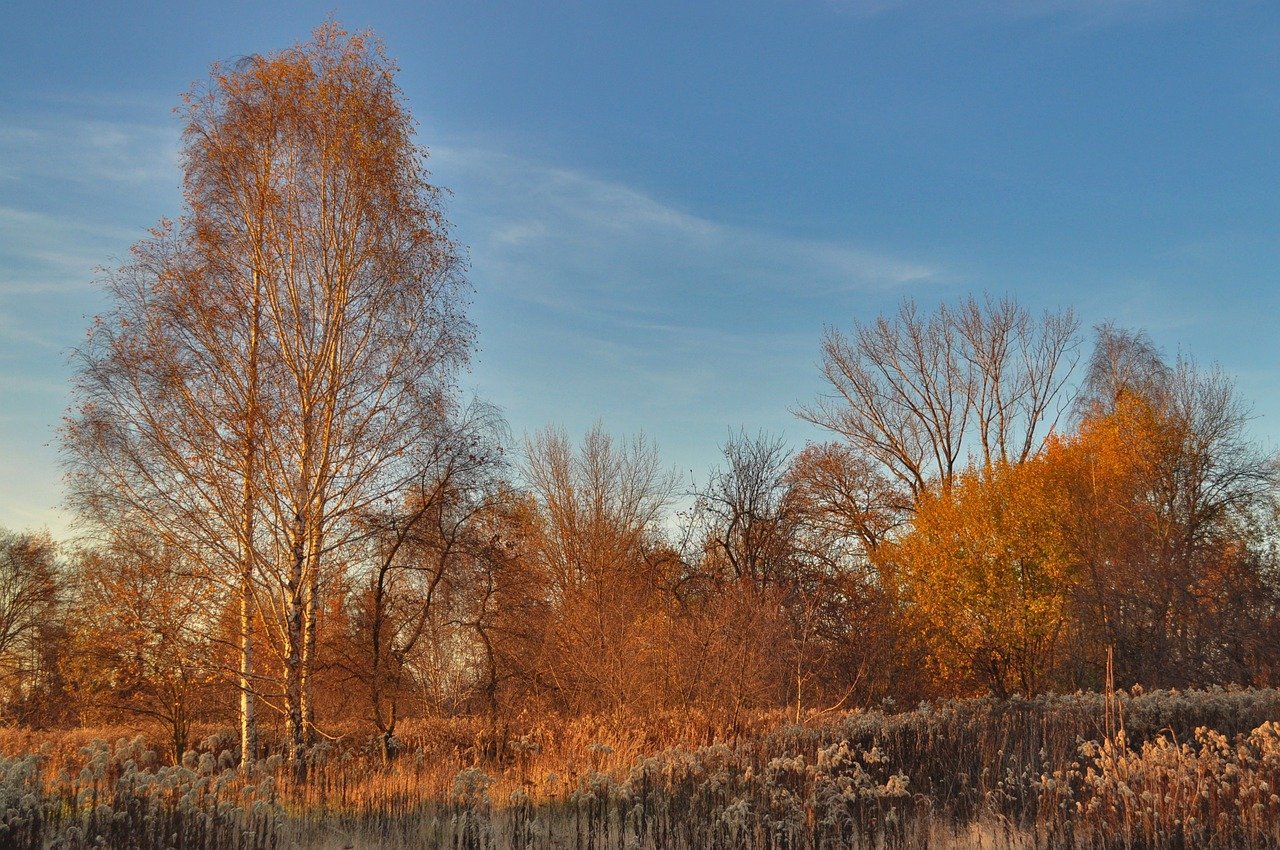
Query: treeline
{"points": [[558, 579], [292, 522]]}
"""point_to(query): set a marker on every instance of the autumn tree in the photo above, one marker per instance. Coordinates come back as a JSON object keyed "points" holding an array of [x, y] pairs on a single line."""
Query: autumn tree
{"points": [[1170, 510], [598, 543], [29, 610], [414, 587], [920, 401], [1144, 535], [270, 359], [985, 580], [143, 632], [510, 605], [847, 496], [850, 508]]}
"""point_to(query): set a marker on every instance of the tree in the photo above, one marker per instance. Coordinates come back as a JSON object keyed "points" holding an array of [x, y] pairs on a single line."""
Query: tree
{"points": [[763, 577], [920, 400], [598, 544], [750, 519], [1170, 508], [986, 581], [29, 600], [847, 497], [270, 360], [143, 625], [509, 604], [850, 509], [1124, 363], [418, 571], [913, 392], [1146, 533]]}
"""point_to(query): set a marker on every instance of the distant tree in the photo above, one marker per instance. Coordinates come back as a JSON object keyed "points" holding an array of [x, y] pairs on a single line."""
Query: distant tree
{"points": [[920, 401], [143, 627], [750, 584], [414, 581], [1147, 534], [750, 519], [598, 543], [780, 550], [509, 606], [985, 580], [1171, 512], [847, 497], [1124, 363], [29, 610], [850, 509]]}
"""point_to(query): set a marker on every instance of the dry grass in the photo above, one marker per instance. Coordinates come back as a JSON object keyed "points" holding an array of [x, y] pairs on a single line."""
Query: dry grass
{"points": [[1195, 769]]}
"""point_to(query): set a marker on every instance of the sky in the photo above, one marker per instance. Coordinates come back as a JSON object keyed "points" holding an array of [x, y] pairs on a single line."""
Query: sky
{"points": [[665, 203]]}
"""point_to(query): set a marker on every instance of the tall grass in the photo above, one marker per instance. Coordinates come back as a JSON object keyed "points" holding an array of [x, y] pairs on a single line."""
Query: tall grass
{"points": [[1188, 770]]}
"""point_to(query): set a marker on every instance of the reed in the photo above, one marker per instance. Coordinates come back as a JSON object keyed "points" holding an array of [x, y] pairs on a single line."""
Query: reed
{"points": [[1194, 769]]}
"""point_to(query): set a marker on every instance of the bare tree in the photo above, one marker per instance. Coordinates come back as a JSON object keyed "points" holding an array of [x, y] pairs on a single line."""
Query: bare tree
{"points": [[913, 391], [418, 559], [772, 536], [1124, 361], [750, 518]]}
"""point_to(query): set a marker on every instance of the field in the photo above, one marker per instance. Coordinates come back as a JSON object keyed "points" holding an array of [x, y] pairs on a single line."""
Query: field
{"points": [[1193, 769]]}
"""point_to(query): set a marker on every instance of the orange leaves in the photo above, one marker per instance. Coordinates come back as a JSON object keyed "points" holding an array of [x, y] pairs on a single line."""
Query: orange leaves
{"points": [[991, 564], [984, 574], [1109, 536]]}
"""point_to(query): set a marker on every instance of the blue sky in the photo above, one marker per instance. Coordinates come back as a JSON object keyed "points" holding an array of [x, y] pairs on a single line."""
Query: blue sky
{"points": [[665, 203]]}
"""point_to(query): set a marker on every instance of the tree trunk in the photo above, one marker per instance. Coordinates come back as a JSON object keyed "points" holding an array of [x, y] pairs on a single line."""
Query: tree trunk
{"points": [[310, 627], [248, 720], [294, 648]]}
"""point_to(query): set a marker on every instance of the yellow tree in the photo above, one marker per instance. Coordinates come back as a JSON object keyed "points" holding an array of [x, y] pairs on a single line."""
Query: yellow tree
{"points": [[1166, 510], [1144, 533], [984, 577]]}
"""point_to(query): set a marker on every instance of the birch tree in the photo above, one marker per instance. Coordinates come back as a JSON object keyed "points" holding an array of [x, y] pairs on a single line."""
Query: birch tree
{"points": [[270, 358]]}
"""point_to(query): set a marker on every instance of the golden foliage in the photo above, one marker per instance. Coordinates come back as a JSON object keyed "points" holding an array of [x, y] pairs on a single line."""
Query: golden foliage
{"points": [[985, 576]]}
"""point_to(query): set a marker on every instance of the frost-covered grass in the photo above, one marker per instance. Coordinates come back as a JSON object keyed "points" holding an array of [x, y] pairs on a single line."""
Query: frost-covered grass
{"points": [[1190, 770], [122, 797]]}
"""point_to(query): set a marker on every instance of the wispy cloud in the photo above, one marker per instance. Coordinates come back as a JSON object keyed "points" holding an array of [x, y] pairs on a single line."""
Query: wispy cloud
{"points": [[67, 186], [87, 151], [598, 299], [75, 191], [571, 241], [43, 253]]}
